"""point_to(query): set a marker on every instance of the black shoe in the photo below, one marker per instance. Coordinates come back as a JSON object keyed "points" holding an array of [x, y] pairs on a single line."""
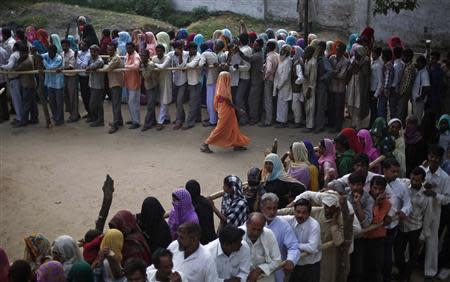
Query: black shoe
{"points": [[265, 125], [167, 121], [19, 124], [145, 128], [59, 123], [113, 130], [130, 122], [280, 125], [239, 148], [96, 124], [295, 125], [33, 121], [89, 120], [85, 116], [307, 130], [120, 123], [134, 126], [186, 127]]}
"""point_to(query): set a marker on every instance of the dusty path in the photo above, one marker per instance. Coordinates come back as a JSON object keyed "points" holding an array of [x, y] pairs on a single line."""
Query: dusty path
{"points": [[50, 180]]}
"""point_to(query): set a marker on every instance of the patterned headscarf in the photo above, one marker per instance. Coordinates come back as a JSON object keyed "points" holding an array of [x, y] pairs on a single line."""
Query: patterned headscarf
{"points": [[36, 248], [51, 271], [234, 206], [182, 34]]}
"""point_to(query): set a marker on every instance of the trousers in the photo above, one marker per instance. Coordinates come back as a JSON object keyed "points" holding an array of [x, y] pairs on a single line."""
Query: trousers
{"points": [[134, 105], [210, 94], [268, 105], [309, 111], [96, 105], [16, 97], [116, 101], [180, 92], [71, 96], [194, 104], [56, 101]]}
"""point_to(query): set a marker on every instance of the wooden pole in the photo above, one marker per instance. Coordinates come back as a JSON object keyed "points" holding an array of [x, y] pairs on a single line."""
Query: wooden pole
{"points": [[108, 190]]}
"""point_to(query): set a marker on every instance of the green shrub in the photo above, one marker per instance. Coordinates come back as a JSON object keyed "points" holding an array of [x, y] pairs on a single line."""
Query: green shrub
{"points": [[199, 13], [36, 20]]}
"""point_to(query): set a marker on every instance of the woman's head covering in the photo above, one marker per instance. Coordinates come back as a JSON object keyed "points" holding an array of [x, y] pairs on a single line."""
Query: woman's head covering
{"points": [[353, 141], [298, 54], [73, 42], [270, 33], [299, 154], [81, 272], [4, 266], [280, 44], [282, 33], [311, 37], [379, 127], [223, 86], [252, 36], [264, 37], [391, 121], [124, 38], [368, 147], [236, 184], [369, 33], [336, 43], [190, 39], [254, 175], [314, 43], [182, 211], [352, 40], [329, 48], [216, 34], [277, 167], [395, 41], [30, 33], [199, 39], [37, 247], [113, 240], [57, 42], [182, 34], [42, 36], [412, 133], [89, 36], [312, 157], [67, 250], [301, 43], [150, 43], [51, 271], [227, 33], [293, 33], [330, 152], [193, 188], [443, 117], [152, 213], [360, 50], [164, 39], [290, 40]]}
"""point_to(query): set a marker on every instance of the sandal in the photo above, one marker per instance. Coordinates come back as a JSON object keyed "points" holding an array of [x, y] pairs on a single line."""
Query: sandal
{"points": [[205, 148], [239, 148]]}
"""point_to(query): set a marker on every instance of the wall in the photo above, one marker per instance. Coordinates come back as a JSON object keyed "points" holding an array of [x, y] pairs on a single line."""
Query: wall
{"points": [[347, 16]]}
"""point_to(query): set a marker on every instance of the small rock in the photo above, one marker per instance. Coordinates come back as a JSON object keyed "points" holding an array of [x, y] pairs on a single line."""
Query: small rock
{"points": [[57, 202]]}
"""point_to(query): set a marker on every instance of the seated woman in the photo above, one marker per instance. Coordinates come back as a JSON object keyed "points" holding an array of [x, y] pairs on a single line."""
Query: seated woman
{"points": [[226, 133], [253, 189], [81, 272], [344, 155], [415, 146], [396, 132], [109, 259], [204, 211], [234, 207], [20, 271], [298, 164], [65, 250], [182, 211], [327, 161], [51, 271], [383, 142], [365, 138], [353, 140], [37, 249], [134, 244], [314, 165], [153, 225], [277, 181]]}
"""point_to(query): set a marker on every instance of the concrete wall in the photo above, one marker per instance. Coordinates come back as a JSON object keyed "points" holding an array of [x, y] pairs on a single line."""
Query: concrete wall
{"points": [[347, 16]]}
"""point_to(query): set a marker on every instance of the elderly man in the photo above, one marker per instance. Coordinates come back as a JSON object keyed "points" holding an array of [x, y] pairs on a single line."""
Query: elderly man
{"points": [[191, 258], [307, 230], [287, 241], [331, 219], [264, 252], [230, 254]]}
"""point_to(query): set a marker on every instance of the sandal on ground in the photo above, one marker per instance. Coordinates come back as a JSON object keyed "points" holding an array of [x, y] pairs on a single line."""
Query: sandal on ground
{"points": [[205, 148]]}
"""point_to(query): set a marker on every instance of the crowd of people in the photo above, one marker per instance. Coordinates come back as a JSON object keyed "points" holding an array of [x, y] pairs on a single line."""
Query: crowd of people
{"points": [[344, 215]]}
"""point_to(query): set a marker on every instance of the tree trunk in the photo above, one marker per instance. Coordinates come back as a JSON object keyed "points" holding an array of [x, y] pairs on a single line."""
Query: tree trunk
{"points": [[108, 190]]}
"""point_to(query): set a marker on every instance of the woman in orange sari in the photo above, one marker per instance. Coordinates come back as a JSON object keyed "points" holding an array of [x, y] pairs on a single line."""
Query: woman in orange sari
{"points": [[226, 133]]}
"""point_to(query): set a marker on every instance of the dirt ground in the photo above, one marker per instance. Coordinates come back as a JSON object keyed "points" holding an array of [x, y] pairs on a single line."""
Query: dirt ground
{"points": [[51, 179]]}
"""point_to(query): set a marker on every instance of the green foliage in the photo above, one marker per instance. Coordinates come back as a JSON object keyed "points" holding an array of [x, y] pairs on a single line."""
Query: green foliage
{"points": [[384, 6], [200, 12], [36, 20]]}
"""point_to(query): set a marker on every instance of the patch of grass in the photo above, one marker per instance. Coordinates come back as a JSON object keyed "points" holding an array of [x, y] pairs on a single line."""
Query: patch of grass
{"points": [[37, 20]]}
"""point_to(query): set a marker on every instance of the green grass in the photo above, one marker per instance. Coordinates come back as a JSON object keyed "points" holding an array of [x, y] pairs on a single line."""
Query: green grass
{"points": [[37, 20]]}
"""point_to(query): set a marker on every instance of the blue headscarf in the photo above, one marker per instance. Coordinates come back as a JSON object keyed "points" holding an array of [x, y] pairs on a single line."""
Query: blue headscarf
{"points": [[182, 34], [277, 166], [311, 154], [40, 48], [199, 40], [352, 40], [124, 38], [264, 37], [443, 117], [291, 40], [57, 42], [227, 34], [73, 43]]}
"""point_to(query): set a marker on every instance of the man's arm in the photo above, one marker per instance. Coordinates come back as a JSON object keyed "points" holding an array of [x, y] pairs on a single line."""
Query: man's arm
{"points": [[313, 244], [274, 254], [292, 245]]}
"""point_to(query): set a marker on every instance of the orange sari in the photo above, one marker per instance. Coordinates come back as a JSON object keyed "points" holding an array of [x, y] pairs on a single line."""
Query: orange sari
{"points": [[226, 133]]}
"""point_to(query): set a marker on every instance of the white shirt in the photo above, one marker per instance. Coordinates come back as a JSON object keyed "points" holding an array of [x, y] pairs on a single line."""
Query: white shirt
{"points": [[207, 59], [235, 60], [441, 182], [308, 235], [399, 66], [179, 76], [344, 180], [3, 61], [420, 207], [264, 253], [193, 75], [422, 80], [399, 198], [235, 265], [198, 267], [8, 45], [151, 275], [376, 77], [244, 67]]}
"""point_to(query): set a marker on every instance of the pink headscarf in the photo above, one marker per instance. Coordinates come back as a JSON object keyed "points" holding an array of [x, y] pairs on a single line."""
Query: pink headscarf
{"points": [[30, 33], [150, 43], [395, 41], [366, 140], [329, 155]]}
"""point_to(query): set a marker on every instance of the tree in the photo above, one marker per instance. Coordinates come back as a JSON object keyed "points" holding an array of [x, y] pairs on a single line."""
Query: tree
{"points": [[384, 6]]}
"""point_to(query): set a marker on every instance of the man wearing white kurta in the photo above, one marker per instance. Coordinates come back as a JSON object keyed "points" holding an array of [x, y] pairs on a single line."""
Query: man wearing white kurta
{"points": [[264, 252], [282, 85]]}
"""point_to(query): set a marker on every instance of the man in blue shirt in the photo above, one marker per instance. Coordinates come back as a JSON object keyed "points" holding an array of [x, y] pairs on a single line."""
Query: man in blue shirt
{"points": [[55, 83]]}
